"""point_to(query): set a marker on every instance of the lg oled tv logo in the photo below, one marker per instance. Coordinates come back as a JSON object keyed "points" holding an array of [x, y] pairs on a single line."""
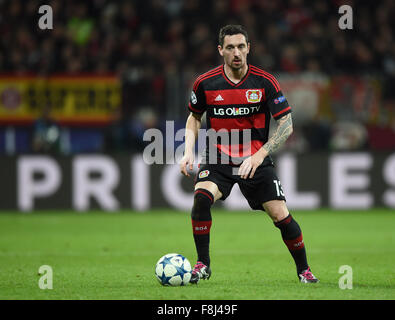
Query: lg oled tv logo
{"points": [[236, 111]]}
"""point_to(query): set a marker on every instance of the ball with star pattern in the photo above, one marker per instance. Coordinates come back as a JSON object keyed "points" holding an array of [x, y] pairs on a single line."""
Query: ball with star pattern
{"points": [[173, 269]]}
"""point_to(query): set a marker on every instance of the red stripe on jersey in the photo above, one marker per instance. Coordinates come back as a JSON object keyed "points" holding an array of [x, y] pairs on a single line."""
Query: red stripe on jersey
{"points": [[262, 71], [194, 109], [259, 120], [204, 75], [257, 70], [197, 82], [241, 150], [281, 112], [265, 76], [231, 123], [230, 96], [209, 72]]}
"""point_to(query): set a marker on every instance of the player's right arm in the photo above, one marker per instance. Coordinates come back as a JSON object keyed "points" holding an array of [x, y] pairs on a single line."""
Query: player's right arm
{"points": [[191, 132], [196, 106]]}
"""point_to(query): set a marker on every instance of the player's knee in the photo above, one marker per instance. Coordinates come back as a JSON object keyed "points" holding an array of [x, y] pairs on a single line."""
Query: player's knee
{"points": [[203, 200], [278, 215], [276, 209]]}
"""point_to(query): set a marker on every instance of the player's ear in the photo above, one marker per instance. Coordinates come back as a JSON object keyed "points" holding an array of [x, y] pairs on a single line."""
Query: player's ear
{"points": [[220, 50], [248, 47]]}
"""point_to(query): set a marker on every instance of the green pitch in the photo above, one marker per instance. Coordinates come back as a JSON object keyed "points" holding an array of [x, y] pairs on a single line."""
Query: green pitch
{"points": [[112, 255]]}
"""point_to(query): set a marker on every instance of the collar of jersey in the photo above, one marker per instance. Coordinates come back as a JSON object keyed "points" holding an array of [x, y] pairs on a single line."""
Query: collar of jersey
{"points": [[230, 81]]}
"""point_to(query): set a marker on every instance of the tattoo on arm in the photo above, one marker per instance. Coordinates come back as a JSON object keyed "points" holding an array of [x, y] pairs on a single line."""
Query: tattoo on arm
{"points": [[283, 131]]}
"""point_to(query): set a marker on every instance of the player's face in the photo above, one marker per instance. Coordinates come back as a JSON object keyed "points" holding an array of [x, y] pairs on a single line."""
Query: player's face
{"points": [[235, 50]]}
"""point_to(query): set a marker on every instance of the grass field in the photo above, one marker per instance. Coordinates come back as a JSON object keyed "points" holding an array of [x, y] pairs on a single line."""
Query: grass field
{"points": [[112, 255]]}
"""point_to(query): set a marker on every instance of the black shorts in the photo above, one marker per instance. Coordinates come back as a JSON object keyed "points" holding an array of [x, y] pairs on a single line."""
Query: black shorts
{"points": [[263, 187]]}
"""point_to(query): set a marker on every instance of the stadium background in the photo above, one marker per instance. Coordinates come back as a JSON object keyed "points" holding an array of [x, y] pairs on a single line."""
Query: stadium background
{"points": [[76, 100], [108, 71]]}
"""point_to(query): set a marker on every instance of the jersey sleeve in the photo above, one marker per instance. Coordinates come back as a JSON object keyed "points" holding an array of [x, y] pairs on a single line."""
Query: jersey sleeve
{"points": [[275, 99], [197, 101]]}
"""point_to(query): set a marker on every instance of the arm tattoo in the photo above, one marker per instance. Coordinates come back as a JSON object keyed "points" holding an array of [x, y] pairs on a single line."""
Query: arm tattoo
{"points": [[283, 131]]}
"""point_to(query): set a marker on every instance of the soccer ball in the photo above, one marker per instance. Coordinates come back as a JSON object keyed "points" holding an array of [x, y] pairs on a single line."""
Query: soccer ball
{"points": [[173, 269]]}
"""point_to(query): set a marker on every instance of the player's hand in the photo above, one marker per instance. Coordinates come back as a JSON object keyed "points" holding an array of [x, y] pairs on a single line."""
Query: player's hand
{"points": [[250, 164], [187, 163]]}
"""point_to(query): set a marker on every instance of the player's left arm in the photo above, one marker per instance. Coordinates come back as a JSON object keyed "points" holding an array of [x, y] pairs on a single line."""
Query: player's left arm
{"points": [[281, 134], [281, 112]]}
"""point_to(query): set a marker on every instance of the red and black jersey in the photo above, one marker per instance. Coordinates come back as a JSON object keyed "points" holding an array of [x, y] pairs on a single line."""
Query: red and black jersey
{"points": [[236, 107]]}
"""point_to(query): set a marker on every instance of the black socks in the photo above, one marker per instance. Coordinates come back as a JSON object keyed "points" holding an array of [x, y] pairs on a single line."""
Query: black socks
{"points": [[293, 239], [201, 223]]}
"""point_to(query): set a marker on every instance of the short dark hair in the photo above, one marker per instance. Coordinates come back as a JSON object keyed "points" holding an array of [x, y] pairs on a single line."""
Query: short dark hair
{"points": [[230, 30]]}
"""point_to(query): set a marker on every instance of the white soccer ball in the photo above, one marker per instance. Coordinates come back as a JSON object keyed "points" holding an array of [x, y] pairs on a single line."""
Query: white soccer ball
{"points": [[173, 269]]}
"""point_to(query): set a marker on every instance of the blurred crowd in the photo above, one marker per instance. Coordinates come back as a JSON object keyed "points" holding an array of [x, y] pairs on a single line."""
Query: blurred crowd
{"points": [[157, 47]]}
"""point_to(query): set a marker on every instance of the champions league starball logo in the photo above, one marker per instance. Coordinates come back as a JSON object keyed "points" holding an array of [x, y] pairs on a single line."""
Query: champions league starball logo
{"points": [[193, 98]]}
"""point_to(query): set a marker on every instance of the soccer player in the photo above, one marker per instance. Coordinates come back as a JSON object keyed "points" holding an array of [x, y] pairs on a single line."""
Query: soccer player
{"points": [[239, 98]]}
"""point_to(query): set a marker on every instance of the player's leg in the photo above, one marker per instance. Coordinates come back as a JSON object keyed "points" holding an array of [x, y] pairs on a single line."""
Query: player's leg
{"points": [[264, 192], [213, 182], [292, 237], [206, 193], [290, 231]]}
